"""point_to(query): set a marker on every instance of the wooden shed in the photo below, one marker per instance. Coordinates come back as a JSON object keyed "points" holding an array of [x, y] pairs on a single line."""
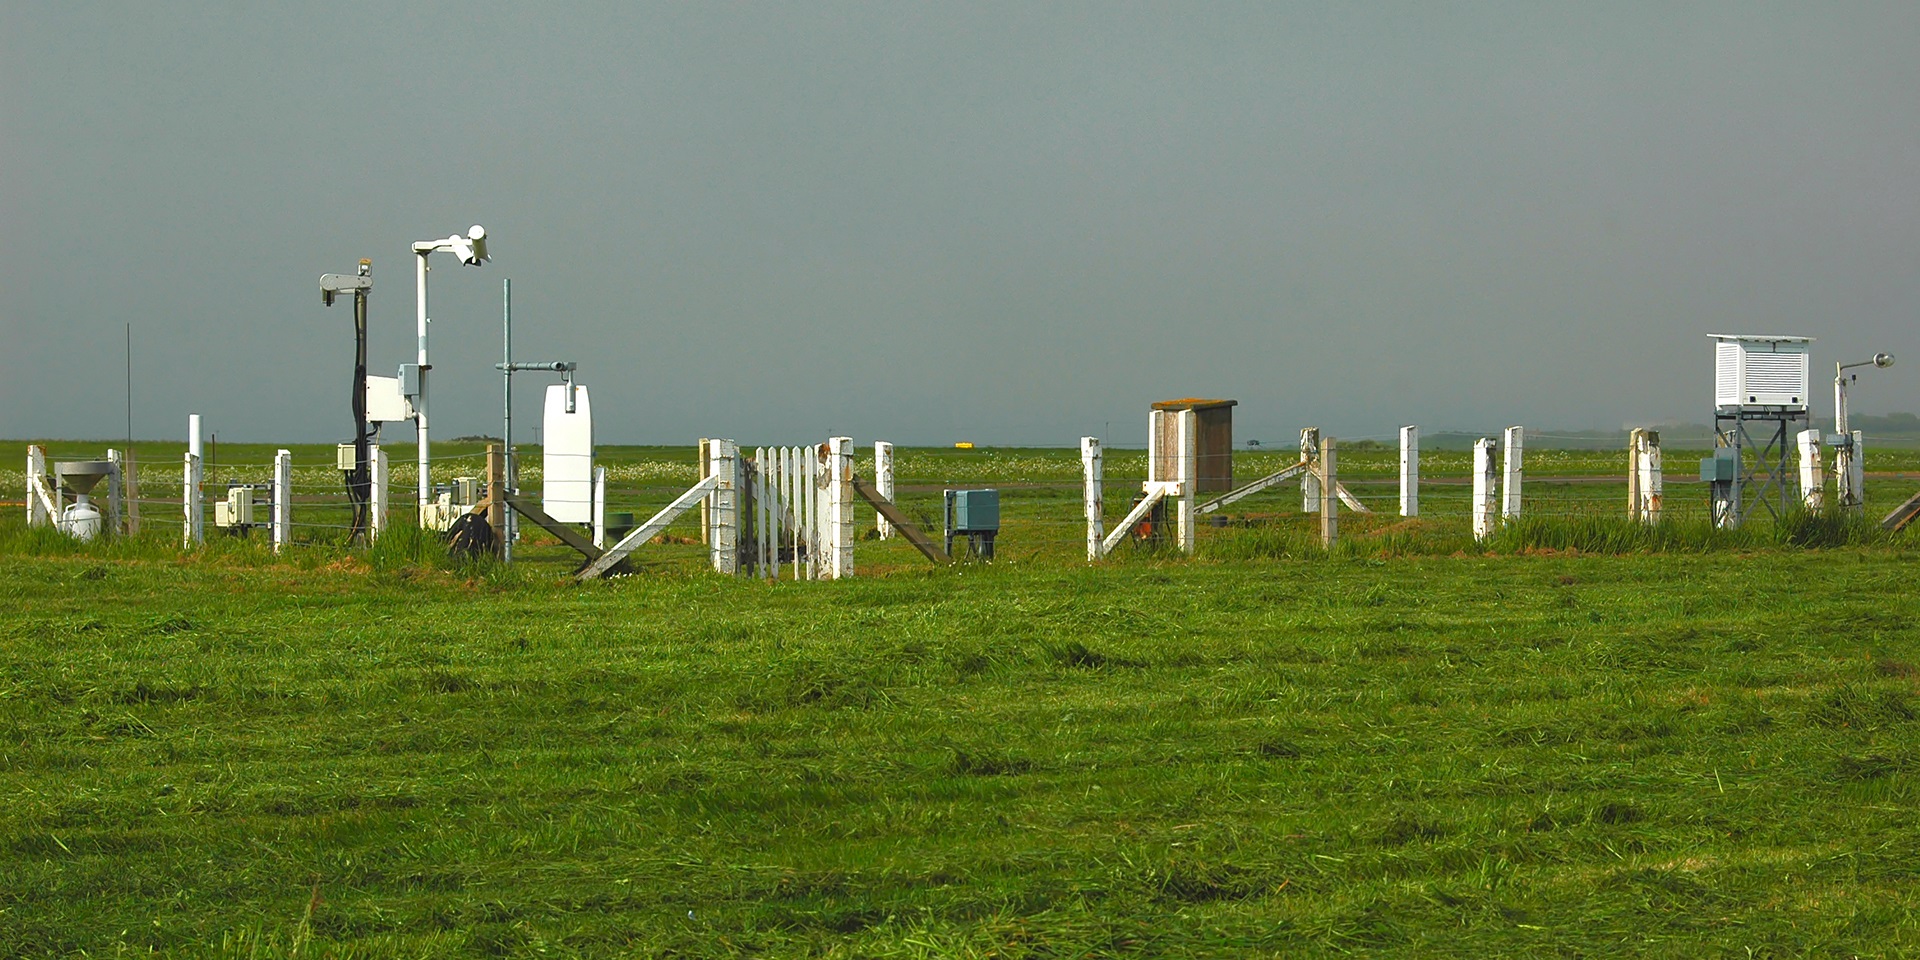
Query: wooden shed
{"points": [[1213, 447]]}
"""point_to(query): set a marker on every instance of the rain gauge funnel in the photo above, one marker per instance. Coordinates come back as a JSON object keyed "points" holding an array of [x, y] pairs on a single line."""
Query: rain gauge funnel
{"points": [[81, 519]]}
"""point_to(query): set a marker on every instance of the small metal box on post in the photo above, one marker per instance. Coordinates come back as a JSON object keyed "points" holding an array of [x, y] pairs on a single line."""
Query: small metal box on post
{"points": [[1213, 444], [974, 514]]}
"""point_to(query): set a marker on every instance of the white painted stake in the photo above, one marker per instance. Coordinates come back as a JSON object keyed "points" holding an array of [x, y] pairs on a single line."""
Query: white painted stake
{"points": [[282, 528], [1813, 480], [1484, 488], [1187, 429], [883, 483], [1310, 480], [377, 511], [1093, 469], [840, 508], [1513, 461], [600, 507], [1410, 471], [723, 537]]}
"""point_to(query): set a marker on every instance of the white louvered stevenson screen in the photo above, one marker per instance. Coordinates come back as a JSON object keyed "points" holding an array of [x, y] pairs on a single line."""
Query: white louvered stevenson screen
{"points": [[1777, 379], [1760, 371], [1726, 374]]}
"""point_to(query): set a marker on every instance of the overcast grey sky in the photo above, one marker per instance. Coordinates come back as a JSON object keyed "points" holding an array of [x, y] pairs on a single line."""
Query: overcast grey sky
{"points": [[1005, 223]]}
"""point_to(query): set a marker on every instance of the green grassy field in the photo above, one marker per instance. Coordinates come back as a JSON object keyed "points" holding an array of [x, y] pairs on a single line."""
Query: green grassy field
{"points": [[1696, 746]]}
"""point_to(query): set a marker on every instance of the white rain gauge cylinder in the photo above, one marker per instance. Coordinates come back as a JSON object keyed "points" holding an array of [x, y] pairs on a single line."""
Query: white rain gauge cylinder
{"points": [[81, 519]]}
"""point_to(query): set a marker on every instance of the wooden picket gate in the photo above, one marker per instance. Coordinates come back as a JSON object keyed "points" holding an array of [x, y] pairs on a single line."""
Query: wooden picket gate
{"points": [[796, 512]]}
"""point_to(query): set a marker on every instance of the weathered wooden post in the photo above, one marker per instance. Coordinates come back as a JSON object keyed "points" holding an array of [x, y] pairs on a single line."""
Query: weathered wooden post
{"points": [[840, 508], [1329, 481], [883, 484], [282, 529], [1512, 461], [1093, 470], [1187, 430], [1410, 471], [723, 527], [1310, 485], [1813, 480], [497, 498], [1484, 488]]}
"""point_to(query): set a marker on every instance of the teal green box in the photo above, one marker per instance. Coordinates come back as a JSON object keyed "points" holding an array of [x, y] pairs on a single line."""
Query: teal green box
{"points": [[973, 511], [1719, 468]]}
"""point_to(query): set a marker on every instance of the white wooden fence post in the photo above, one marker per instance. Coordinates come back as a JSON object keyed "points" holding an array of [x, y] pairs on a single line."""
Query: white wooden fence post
{"points": [[1634, 499], [377, 495], [1093, 469], [883, 484], [600, 507], [1844, 496], [1410, 471], [1484, 488], [763, 511], [191, 505], [130, 489], [40, 503], [703, 455], [1643, 476], [1329, 482], [724, 517], [810, 493], [1813, 481], [1310, 478], [1155, 418], [190, 502], [1187, 429], [790, 511], [116, 500], [282, 500], [1857, 471], [840, 508], [1513, 460]]}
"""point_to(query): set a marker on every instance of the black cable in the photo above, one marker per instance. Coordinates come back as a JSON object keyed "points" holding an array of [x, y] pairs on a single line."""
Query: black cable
{"points": [[359, 479]]}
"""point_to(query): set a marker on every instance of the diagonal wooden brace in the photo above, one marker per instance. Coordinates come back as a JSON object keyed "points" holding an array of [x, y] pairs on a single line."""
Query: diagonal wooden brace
{"points": [[905, 527], [647, 531]]}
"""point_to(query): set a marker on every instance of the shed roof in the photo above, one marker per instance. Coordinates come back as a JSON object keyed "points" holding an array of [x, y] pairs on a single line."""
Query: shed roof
{"points": [[1193, 403]]}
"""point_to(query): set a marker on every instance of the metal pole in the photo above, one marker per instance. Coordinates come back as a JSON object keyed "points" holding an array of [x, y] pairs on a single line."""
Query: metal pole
{"points": [[420, 402], [506, 410], [1839, 401]]}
